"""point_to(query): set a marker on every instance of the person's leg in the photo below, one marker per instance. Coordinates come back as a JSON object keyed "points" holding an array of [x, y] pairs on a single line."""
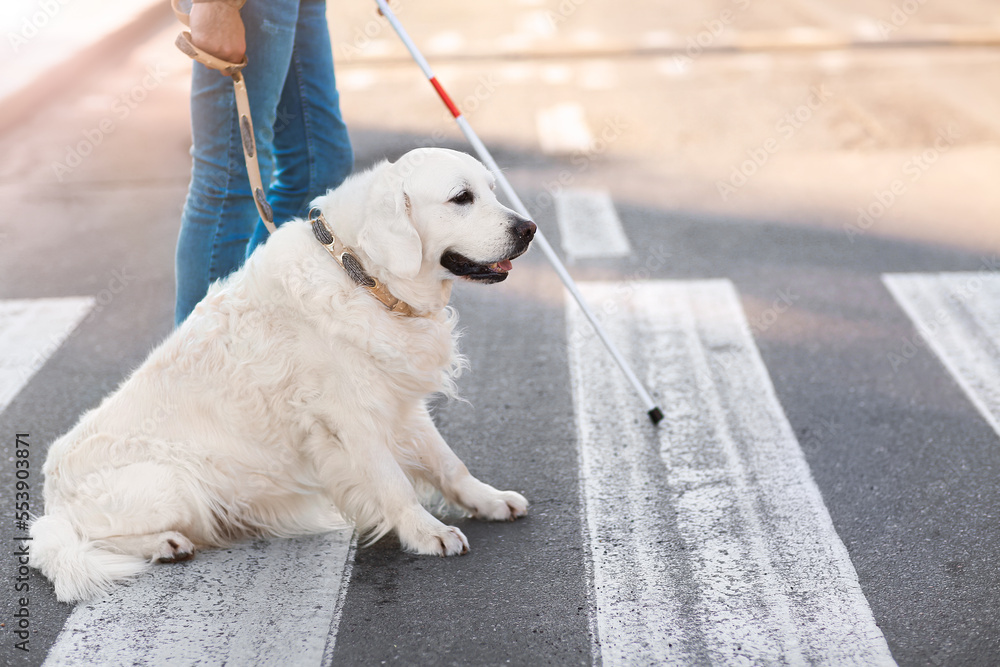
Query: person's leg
{"points": [[219, 214], [312, 150]]}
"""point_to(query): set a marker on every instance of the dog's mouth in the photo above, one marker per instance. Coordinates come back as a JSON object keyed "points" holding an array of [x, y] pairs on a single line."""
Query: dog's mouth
{"points": [[479, 272]]}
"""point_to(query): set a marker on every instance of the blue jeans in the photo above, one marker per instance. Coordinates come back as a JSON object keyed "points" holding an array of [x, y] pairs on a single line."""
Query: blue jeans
{"points": [[302, 142]]}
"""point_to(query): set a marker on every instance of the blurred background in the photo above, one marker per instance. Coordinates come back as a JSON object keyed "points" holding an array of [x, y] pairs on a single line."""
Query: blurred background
{"points": [[801, 112]]}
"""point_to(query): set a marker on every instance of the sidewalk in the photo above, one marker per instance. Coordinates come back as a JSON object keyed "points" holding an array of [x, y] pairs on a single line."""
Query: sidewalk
{"points": [[51, 43]]}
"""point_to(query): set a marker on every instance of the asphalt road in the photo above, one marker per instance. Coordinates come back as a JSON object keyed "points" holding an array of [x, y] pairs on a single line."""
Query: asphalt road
{"points": [[764, 168]]}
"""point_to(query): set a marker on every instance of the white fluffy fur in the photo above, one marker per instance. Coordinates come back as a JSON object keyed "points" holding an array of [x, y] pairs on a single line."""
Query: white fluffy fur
{"points": [[290, 399]]}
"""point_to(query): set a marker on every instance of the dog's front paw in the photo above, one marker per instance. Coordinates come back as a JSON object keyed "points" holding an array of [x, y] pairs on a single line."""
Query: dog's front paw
{"points": [[451, 542], [430, 537], [488, 504], [502, 506]]}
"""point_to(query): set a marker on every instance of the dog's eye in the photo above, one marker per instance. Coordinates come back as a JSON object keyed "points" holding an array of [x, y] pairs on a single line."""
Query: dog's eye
{"points": [[463, 197]]}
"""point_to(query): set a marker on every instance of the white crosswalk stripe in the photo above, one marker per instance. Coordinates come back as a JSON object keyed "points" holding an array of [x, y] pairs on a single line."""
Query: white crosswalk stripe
{"points": [[958, 314], [562, 129], [711, 543], [31, 330], [589, 226], [272, 602]]}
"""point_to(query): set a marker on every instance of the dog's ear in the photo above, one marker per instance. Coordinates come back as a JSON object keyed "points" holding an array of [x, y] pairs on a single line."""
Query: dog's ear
{"points": [[388, 236]]}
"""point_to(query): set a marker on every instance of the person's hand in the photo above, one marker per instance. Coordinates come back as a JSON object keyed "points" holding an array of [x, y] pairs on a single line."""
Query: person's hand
{"points": [[216, 27]]}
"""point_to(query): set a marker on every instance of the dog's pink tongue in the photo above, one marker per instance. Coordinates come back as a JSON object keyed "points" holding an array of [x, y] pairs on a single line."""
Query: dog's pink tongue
{"points": [[504, 265]]}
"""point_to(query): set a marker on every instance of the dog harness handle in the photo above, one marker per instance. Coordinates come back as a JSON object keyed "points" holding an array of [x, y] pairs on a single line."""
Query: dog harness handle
{"points": [[234, 70]]}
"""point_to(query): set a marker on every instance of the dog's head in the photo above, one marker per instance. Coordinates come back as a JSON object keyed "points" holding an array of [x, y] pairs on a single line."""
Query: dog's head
{"points": [[434, 212]]}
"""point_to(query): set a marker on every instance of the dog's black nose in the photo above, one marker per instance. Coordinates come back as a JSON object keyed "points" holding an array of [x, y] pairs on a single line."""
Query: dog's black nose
{"points": [[525, 229]]}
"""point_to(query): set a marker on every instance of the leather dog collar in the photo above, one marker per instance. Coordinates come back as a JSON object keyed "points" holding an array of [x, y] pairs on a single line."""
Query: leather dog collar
{"points": [[352, 266]]}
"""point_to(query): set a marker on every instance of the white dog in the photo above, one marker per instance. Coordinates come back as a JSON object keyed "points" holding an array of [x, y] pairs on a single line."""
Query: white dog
{"points": [[292, 397]]}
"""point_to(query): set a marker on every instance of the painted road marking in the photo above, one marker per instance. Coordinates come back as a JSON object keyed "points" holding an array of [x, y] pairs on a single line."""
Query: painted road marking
{"points": [[589, 227], [958, 314], [31, 330], [710, 540], [266, 602], [562, 129]]}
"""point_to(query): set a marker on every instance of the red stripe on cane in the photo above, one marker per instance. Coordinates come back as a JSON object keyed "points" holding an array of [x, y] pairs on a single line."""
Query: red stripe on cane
{"points": [[444, 97]]}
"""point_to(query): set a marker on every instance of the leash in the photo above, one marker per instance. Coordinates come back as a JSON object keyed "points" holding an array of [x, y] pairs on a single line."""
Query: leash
{"points": [[321, 229], [234, 70]]}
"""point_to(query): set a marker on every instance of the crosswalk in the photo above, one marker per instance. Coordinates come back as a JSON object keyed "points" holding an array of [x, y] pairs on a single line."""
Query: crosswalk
{"points": [[589, 226], [958, 315], [708, 540], [31, 330], [276, 600]]}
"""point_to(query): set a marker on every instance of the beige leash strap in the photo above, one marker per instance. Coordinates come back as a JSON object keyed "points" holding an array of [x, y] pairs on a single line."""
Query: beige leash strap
{"points": [[234, 70]]}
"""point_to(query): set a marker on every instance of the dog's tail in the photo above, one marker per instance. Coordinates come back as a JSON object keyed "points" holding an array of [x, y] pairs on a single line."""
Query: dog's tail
{"points": [[80, 570]]}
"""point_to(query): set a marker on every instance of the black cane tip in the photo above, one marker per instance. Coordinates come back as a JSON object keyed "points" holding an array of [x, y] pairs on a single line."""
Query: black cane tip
{"points": [[656, 415]]}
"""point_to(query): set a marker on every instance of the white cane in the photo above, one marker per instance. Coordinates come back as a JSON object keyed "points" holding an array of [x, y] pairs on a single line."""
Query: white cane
{"points": [[653, 410]]}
